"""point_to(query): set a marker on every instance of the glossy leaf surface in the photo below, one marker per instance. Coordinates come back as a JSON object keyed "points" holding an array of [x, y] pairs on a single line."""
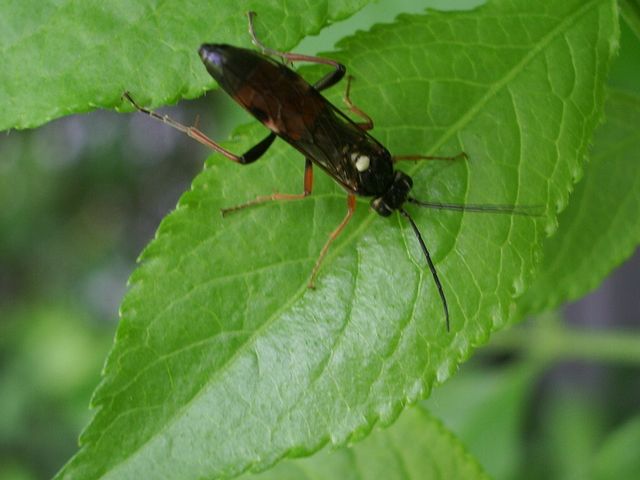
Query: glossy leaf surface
{"points": [[225, 361]]}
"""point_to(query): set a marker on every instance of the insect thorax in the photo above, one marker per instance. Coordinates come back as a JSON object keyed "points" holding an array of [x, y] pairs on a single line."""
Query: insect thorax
{"points": [[395, 196]]}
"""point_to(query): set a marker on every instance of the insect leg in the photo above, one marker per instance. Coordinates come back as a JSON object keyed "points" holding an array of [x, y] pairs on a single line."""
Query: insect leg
{"points": [[368, 123], [351, 206], [327, 81], [330, 78], [308, 185], [255, 152], [249, 156]]}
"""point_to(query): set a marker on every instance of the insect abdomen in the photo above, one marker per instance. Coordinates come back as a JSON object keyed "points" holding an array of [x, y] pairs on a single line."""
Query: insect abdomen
{"points": [[277, 96]]}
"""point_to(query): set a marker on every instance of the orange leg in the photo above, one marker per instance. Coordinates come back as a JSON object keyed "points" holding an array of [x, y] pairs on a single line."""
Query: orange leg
{"points": [[308, 185], [327, 81], [351, 206], [368, 123], [250, 156]]}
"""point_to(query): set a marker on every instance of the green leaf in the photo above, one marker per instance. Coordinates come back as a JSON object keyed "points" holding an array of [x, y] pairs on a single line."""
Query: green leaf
{"points": [[599, 229], [486, 411], [225, 361], [630, 12], [618, 457], [417, 446], [63, 56], [566, 433]]}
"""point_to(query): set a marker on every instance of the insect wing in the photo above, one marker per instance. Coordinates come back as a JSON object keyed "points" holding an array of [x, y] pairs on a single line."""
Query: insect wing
{"points": [[349, 154], [294, 110]]}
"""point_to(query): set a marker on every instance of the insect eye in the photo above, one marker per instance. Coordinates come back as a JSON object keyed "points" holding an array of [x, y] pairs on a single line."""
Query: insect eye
{"points": [[361, 161]]}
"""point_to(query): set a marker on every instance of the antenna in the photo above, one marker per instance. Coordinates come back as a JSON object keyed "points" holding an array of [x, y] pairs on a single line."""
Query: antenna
{"points": [[526, 210], [432, 267]]}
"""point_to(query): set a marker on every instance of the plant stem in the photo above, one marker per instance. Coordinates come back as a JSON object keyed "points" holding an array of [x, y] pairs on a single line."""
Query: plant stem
{"points": [[557, 342]]}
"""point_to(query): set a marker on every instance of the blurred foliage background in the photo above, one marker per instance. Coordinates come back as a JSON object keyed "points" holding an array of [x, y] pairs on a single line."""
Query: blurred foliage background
{"points": [[81, 197]]}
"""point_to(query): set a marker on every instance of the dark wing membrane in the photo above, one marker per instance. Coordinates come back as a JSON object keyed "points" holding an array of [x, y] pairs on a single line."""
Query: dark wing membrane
{"points": [[328, 141], [290, 107], [334, 142], [285, 103]]}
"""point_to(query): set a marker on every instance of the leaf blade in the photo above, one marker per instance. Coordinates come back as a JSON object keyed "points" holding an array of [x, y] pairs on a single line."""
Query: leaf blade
{"points": [[598, 230], [417, 446], [242, 367], [68, 57]]}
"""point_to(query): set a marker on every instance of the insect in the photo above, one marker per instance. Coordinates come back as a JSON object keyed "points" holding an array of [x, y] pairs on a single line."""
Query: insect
{"points": [[295, 111]]}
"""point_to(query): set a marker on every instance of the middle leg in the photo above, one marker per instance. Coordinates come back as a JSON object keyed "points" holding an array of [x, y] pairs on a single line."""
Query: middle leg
{"points": [[351, 206], [308, 186]]}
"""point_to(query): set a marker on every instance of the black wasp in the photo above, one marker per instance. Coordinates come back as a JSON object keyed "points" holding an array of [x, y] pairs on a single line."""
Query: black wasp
{"points": [[295, 111]]}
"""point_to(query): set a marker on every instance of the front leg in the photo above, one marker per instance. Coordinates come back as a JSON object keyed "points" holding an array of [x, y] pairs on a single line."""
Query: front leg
{"points": [[327, 81]]}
